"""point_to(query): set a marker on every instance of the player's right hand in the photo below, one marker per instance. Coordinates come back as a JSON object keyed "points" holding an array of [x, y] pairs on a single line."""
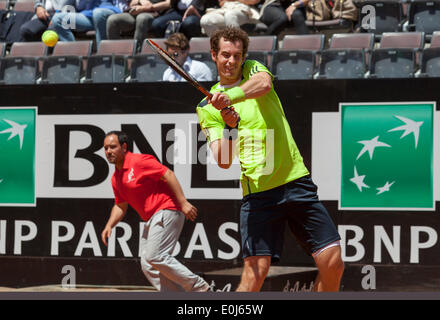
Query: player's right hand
{"points": [[106, 234], [219, 100]]}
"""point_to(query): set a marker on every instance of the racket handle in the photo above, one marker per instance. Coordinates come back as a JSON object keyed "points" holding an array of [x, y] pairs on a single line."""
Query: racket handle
{"points": [[206, 93]]}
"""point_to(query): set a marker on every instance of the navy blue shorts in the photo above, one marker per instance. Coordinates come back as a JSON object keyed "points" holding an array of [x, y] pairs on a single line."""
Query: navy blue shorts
{"points": [[264, 215]]}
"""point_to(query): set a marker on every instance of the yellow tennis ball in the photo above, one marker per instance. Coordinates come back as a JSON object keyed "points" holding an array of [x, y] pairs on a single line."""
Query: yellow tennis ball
{"points": [[50, 38]]}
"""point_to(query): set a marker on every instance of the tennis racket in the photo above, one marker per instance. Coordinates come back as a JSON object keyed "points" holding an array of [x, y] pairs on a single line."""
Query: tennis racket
{"points": [[178, 68]]}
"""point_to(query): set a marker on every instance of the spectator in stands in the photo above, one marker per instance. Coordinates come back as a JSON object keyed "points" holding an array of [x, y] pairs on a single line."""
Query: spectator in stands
{"points": [[44, 11], [91, 15], [232, 13], [322, 10], [184, 12], [139, 17], [177, 46], [278, 14], [190, 22]]}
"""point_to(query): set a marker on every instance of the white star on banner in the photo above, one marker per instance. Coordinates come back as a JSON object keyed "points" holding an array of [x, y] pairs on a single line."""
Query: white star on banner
{"points": [[410, 126], [15, 129], [358, 180], [385, 188], [370, 145]]}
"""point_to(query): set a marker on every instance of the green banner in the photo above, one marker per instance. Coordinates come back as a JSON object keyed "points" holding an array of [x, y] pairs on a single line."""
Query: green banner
{"points": [[387, 156], [17, 156]]}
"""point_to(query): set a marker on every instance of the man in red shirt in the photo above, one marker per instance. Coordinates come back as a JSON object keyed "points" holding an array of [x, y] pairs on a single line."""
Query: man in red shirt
{"points": [[154, 192]]}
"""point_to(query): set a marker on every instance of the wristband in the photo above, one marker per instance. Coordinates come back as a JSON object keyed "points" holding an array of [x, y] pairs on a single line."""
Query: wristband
{"points": [[235, 94]]}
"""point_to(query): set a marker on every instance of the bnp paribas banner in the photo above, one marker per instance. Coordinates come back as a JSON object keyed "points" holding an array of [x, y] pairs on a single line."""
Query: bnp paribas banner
{"points": [[387, 156], [17, 156]]}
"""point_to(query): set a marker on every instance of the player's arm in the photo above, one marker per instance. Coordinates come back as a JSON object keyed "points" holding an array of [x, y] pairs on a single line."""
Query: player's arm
{"points": [[188, 209], [221, 141], [257, 86], [222, 151], [116, 215]]}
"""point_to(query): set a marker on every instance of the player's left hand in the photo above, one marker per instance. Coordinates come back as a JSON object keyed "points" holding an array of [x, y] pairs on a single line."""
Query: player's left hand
{"points": [[189, 211], [230, 116]]}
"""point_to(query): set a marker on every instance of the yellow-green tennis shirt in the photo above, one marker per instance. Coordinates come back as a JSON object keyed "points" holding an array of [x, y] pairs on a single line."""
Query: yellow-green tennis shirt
{"points": [[268, 153]]}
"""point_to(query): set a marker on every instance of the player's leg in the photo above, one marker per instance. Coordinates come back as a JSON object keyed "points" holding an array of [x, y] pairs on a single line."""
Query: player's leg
{"points": [[331, 268], [255, 270], [315, 231], [262, 236], [165, 229]]}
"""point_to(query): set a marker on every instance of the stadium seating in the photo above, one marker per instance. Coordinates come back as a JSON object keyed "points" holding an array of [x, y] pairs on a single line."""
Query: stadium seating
{"points": [[424, 16], [430, 62], [67, 62], [261, 48], [3, 5], [200, 50], [24, 5], [110, 64], [347, 56], [148, 66], [352, 41], [342, 64], [388, 16], [146, 47], [363, 41], [435, 40], [297, 56], [413, 40], [22, 66], [402, 40], [199, 44], [397, 56]]}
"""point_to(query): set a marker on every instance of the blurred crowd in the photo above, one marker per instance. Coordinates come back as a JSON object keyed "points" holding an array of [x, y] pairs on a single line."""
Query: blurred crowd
{"points": [[139, 19]]}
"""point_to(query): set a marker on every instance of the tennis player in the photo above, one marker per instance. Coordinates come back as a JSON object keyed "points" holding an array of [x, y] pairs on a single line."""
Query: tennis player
{"points": [[154, 192], [277, 188]]}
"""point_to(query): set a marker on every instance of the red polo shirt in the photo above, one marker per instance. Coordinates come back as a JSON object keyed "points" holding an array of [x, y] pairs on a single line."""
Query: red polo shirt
{"points": [[139, 183]]}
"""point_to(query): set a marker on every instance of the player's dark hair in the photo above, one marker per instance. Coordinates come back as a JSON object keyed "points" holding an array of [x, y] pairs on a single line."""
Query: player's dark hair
{"points": [[122, 136], [231, 34]]}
